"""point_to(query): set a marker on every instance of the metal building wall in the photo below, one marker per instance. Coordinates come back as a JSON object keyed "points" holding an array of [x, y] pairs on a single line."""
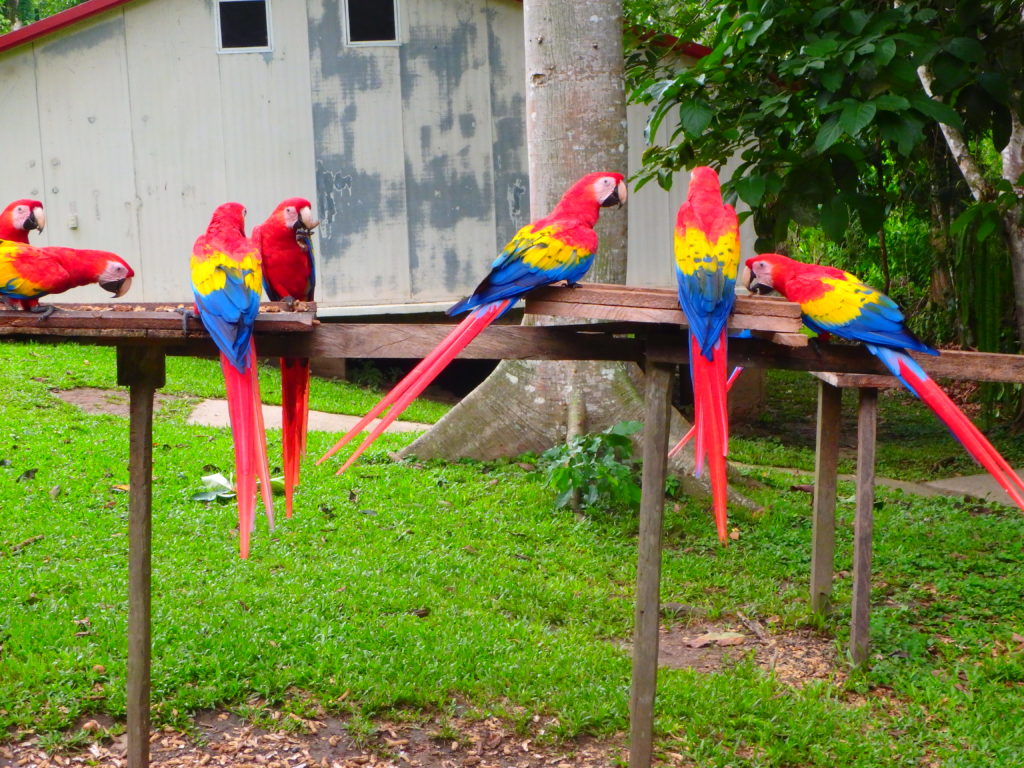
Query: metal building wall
{"points": [[139, 128], [420, 147]]}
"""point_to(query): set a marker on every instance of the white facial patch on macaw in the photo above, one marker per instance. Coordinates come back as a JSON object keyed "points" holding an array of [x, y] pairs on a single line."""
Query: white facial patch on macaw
{"points": [[291, 216], [20, 215]]}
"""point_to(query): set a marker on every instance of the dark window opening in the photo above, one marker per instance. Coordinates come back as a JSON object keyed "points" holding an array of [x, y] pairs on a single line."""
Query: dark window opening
{"points": [[243, 24], [372, 21]]}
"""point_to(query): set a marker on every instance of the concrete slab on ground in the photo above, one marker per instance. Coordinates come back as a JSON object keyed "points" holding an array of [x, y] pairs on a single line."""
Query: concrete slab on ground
{"points": [[214, 413], [981, 486]]}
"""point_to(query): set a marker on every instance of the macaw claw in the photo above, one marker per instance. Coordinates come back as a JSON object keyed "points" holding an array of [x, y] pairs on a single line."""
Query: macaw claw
{"points": [[43, 309], [186, 314]]}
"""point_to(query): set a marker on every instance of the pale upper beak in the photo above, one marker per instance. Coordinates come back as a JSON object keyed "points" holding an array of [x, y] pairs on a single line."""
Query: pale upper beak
{"points": [[306, 220], [36, 219], [617, 196]]}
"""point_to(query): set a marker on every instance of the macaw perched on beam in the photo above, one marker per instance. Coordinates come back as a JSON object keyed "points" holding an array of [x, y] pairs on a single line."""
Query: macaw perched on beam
{"points": [[560, 246], [227, 282], [28, 272], [707, 249], [285, 244], [21, 217], [834, 301]]}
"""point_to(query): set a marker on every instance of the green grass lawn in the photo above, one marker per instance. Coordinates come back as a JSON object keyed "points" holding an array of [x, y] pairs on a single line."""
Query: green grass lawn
{"points": [[422, 589]]}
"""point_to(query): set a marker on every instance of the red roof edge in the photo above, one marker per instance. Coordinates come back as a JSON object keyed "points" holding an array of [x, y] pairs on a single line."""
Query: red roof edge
{"points": [[58, 21], [92, 7]]}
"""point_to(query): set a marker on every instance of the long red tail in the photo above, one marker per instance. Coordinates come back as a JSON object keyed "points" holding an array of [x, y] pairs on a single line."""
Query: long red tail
{"points": [[711, 420], [418, 379], [294, 418], [922, 385], [693, 429], [262, 468], [244, 427]]}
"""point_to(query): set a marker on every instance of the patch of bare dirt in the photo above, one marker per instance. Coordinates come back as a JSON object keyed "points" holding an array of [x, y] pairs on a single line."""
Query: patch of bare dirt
{"points": [[222, 739], [109, 401], [795, 657]]}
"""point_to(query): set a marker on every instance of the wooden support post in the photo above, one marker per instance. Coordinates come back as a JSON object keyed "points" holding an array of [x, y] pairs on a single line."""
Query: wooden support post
{"points": [[141, 369], [826, 467], [867, 413], [658, 388]]}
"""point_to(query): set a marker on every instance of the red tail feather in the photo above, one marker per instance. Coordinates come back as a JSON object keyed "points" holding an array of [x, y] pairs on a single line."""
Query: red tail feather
{"points": [[711, 420], [399, 388], [418, 379], [969, 435], [262, 467], [243, 432], [693, 429], [294, 417]]}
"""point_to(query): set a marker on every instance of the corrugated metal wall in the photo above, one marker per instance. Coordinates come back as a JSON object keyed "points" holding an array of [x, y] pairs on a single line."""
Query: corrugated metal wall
{"points": [[421, 157], [133, 129]]}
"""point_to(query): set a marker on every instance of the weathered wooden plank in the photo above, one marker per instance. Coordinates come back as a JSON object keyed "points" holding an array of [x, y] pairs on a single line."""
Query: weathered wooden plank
{"points": [[863, 523], [142, 370], [849, 358], [509, 342], [857, 380], [110, 319], [657, 396], [605, 294], [668, 315], [826, 464]]}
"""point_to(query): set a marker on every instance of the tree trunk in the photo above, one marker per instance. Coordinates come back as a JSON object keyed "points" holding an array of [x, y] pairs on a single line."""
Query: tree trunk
{"points": [[1012, 216]]}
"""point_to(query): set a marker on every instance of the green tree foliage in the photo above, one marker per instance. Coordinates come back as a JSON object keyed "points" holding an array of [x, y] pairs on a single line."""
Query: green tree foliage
{"points": [[811, 95], [822, 103], [24, 12]]}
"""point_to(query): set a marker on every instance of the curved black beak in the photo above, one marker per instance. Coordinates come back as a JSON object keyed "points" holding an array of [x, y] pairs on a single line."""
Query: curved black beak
{"points": [[758, 288], [33, 222], [116, 287]]}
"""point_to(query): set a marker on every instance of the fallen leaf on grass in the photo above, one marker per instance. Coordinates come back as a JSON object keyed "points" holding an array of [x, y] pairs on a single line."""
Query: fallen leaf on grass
{"points": [[716, 638]]}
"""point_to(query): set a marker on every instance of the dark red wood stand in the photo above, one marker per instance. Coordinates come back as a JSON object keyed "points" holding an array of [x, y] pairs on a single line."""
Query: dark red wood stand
{"points": [[640, 325]]}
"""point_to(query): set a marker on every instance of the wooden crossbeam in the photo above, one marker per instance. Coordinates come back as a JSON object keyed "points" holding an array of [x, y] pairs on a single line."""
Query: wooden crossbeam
{"points": [[598, 301], [112, 319]]}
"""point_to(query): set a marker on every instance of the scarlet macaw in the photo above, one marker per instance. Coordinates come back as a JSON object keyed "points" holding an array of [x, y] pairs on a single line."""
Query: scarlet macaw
{"points": [[28, 272], [289, 274], [707, 249], [19, 218], [560, 246], [227, 283], [834, 301]]}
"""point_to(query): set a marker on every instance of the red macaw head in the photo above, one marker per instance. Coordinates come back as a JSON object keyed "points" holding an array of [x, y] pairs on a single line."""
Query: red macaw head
{"points": [[114, 273], [768, 272], [21, 217], [604, 189], [229, 216], [296, 213]]}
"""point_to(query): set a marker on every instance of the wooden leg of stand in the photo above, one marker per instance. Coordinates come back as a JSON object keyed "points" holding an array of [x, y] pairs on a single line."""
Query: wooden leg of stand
{"points": [[867, 413], [658, 390], [142, 370], [826, 468]]}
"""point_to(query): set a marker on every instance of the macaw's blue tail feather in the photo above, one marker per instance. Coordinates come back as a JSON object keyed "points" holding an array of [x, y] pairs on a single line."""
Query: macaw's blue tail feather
{"points": [[711, 420], [294, 417], [906, 369], [419, 378]]}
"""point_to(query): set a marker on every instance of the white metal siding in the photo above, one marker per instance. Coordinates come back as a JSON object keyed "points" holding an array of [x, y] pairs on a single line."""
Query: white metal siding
{"points": [[145, 129]]}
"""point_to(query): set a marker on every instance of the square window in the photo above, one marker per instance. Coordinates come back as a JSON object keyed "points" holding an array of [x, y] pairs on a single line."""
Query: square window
{"points": [[371, 22], [243, 25]]}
